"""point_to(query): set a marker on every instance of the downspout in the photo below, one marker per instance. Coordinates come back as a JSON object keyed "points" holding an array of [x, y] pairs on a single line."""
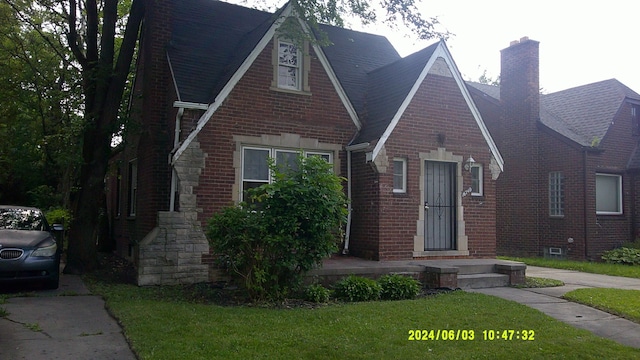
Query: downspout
{"points": [[345, 250], [176, 141], [584, 206]]}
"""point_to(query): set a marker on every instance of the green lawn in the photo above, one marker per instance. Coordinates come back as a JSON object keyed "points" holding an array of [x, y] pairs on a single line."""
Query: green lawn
{"points": [[585, 266], [162, 324], [625, 303]]}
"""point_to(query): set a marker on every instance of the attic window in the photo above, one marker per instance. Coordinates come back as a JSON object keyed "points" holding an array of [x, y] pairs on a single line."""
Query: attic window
{"points": [[288, 66], [635, 119], [291, 67]]}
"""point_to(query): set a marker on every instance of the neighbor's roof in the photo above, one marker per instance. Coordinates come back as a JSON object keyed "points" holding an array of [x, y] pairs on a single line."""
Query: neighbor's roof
{"points": [[582, 113]]}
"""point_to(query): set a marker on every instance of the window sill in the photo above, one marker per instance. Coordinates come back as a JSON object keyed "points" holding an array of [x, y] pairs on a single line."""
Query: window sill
{"points": [[290, 91]]}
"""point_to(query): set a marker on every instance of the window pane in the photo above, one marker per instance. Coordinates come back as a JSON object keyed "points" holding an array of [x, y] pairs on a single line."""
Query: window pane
{"points": [[287, 54], [556, 194], [476, 180], [608, 194], [286, 160], [255, 166], [399, 176], [326, 157]]}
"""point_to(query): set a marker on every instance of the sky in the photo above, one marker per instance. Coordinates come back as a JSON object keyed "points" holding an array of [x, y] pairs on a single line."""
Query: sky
{"points": [[581, 42]]}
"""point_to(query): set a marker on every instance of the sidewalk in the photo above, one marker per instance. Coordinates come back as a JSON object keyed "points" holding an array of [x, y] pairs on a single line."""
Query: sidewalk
{"points": [[549, 301], [69, 324]]}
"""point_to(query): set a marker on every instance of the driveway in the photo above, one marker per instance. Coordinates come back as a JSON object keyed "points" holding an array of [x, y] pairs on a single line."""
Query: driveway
{"points": [[67, 323]]}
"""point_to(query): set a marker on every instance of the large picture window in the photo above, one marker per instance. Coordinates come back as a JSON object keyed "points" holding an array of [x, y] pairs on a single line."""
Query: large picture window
{"points": [[608, 194], [556, 194], [255, 164]]}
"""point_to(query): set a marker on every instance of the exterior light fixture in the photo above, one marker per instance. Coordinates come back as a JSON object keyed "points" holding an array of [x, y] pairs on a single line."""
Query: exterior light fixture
{"points": [[469, 163]]}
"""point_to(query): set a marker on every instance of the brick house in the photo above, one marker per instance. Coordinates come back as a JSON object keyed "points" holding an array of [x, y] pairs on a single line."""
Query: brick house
{"points": [[217, 92], [571, 161]]}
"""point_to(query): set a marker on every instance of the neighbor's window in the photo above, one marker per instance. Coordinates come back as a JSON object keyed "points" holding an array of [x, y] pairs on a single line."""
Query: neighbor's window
{"points": [[556, 193], [399, 175], [608, 194], [476, 180], [133, 187], [255, 164], [289, 66]]}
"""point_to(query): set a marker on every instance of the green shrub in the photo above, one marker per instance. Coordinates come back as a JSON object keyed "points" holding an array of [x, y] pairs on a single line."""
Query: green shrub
{"points": [[317, 293], [398, 287], [59, 216], [632, 244], [627, 256], [287, 229], [355, 288]]}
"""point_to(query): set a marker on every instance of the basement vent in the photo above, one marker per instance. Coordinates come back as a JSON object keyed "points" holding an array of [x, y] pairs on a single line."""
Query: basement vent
{"points": [[555, 251]]}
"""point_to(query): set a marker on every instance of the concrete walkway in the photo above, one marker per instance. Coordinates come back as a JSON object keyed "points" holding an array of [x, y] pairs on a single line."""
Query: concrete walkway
{"points": [[549, 301], [67, 323]]}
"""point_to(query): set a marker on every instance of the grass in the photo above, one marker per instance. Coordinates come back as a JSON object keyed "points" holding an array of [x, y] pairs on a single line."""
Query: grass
{"points": [[624, 303], [536, 282], [163, 323], [584, 266]]}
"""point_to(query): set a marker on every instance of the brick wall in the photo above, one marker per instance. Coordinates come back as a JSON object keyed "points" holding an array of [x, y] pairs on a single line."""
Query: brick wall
{"points": [[518, 202], [438, 112]]}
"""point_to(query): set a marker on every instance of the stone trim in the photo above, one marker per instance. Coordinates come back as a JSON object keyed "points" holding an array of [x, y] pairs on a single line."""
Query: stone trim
{"points": [[462, 241], [172, 252], [283, 141]]}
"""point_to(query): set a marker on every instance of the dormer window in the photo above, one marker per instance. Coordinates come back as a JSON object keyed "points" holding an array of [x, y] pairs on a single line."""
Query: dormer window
{"points": [[291, 67]]}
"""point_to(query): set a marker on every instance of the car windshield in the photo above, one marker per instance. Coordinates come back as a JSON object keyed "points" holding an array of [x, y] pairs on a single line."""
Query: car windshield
{"points": [[21, 219]]}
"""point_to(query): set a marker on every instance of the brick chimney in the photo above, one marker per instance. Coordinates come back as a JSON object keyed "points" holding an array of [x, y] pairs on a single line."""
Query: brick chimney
{"points": [[520, 80], [518, 202]]}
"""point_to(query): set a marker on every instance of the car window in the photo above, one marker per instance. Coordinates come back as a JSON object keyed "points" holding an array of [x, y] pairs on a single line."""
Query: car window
{"points": [[22, 219]]}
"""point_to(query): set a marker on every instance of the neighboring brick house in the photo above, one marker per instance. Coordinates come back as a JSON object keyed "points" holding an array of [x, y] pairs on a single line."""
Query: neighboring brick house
{"points": [[218, 91], [571, 161]]}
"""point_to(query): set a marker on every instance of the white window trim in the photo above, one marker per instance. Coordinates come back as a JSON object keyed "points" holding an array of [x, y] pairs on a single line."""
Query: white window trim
{"points": [[304, 63], [402, 190], [561, 193], [272, 154], [620, 205], [480, 191]]}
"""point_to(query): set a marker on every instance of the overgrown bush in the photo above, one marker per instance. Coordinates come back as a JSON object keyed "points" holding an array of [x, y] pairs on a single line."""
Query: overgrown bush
{"points": [[285, 230], [398, 287], [59, 216], [317, 293], [627, 256], [356, 288], [632, 244]]}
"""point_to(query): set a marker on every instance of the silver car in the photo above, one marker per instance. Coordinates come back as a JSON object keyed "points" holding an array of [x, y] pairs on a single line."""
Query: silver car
{"points": [[28, 248]]}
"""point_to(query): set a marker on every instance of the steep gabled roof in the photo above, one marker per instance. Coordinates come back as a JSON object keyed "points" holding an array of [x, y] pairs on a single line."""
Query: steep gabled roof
{"points": [[210, 39], [387, 87], [214, 43]]}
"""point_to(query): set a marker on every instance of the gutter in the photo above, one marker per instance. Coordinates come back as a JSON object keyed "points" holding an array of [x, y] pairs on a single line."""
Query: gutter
{"points": [[351, 148]]}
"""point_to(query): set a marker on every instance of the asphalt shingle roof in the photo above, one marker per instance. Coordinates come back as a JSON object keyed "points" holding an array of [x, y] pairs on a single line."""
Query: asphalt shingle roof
{"points": [[582, 114], [211, 39]]}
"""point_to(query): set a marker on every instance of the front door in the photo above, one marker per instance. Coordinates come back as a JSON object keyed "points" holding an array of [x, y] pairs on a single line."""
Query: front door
{"points": [[439, 205]]}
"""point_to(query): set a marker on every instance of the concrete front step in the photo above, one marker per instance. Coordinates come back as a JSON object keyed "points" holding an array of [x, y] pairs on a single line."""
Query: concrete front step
{"points": [[482, 280]]}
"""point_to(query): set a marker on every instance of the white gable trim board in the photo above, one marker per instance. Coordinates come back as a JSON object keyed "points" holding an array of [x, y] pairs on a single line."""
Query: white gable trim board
{"points": [[248, 62], [440, 52]]}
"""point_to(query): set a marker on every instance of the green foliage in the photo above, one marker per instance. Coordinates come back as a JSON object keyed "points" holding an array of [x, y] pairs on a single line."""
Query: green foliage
{"points": [[290, 226], [356, 288], [317, 293], [536, 282], [627, 256], [59, 216], [398, 287], [632, 244]]}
